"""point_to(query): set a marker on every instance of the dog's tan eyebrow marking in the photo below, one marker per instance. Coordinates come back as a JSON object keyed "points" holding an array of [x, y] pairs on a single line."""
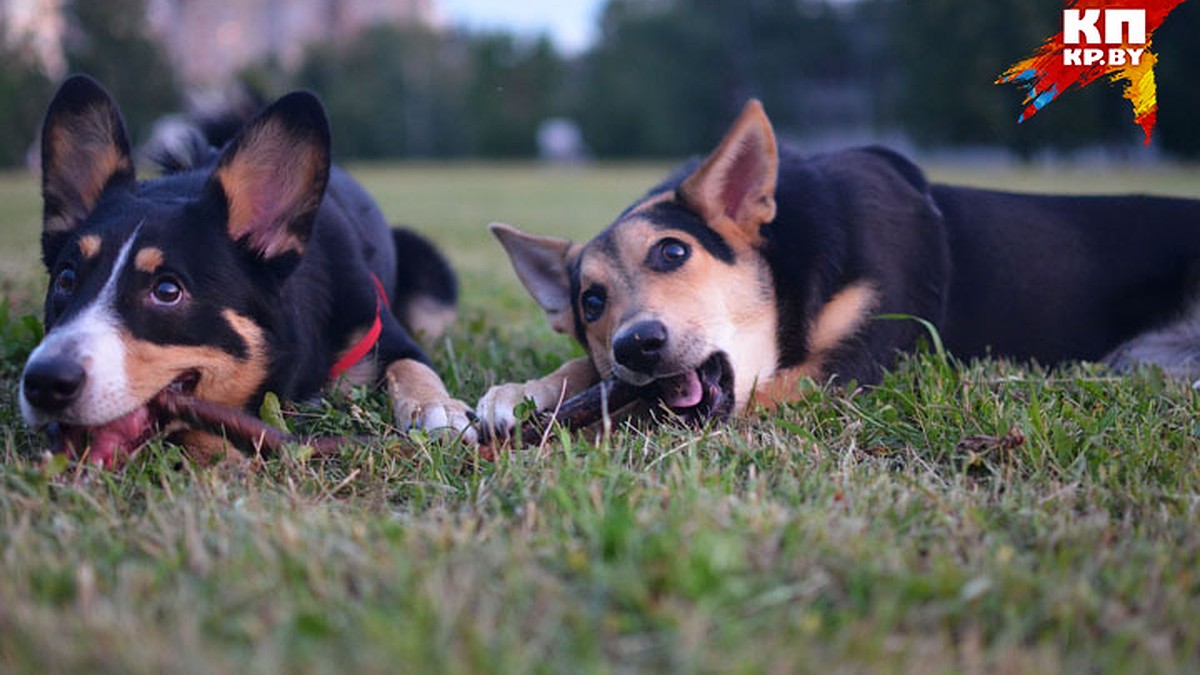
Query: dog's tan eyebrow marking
{"points": [[148, 259], [89, 245]]}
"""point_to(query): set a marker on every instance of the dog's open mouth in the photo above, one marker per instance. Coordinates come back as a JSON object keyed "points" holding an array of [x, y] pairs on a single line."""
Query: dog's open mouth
{"points": [[700, 394], [112, 442]]}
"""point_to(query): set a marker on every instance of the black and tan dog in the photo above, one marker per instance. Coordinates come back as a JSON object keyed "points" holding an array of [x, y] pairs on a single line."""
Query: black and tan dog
{"points": [[741, 274], [257, 267]]}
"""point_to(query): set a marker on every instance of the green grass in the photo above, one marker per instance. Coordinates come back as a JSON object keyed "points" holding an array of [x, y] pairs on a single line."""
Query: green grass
{"points": [[959, 518]]}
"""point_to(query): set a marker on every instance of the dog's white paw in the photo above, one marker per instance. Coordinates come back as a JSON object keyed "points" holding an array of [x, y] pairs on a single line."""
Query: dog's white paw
{"points": [[438, 415], [497, 409]]}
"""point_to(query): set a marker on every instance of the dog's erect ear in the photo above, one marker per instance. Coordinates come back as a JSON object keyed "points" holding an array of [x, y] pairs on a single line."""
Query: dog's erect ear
{"points": [[84, 150], [543, 266], [273, 174], [737, 181]]}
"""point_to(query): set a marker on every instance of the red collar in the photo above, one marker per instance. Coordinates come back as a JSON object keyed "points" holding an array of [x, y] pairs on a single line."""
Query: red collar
{"points": [[368, 341]]}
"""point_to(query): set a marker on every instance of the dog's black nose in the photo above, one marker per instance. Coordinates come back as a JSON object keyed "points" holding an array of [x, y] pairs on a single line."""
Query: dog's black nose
{"points": [[52, 384], [640, 346]]}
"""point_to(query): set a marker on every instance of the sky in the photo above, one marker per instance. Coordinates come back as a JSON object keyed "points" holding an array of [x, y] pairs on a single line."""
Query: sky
{"points": [[568, 22]]}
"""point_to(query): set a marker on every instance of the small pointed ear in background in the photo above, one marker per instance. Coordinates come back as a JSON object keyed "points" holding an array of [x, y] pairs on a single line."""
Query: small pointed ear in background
{"points": [[273, 174], [85, 148], [737, 181], [543, 266]]}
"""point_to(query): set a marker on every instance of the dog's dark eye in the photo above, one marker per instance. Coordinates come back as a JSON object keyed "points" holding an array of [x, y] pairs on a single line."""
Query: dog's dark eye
{"points": [[64, 283], [593, 301], [669, 254], [166, 291]]}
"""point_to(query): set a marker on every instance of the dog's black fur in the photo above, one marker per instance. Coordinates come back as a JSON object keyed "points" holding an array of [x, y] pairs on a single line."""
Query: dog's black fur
{"points": [[245, 269]]}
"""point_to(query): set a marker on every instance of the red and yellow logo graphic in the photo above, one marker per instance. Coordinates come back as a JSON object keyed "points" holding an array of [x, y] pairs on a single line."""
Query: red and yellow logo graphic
{"points": [[1100, 38]]}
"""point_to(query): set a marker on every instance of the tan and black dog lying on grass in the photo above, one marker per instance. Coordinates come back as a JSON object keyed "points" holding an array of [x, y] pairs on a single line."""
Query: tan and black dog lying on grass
{"points": [[253, 267], [741, 274]]}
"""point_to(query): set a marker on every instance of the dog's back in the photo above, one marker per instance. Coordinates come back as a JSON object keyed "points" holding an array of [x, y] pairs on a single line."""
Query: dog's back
{"points": [[1056, 278], [1038, 277]]}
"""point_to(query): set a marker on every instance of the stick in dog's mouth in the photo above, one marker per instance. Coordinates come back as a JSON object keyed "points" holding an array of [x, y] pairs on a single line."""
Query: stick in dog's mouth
{"points": [[700, 394], [114, 441], [175, 409], [694, 397]]}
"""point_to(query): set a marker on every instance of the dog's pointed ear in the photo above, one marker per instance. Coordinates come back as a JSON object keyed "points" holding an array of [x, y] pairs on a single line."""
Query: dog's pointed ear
{"points": [[85, 149], [272, 176], [543, 265], [737, 181]]}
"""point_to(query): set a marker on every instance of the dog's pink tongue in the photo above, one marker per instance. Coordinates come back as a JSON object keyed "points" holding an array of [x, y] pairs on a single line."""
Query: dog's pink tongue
{"points": [[682, 391], [117, 439]]}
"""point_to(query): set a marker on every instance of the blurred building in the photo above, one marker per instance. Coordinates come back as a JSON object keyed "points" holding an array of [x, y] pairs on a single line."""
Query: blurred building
{"points": [[209, 42], [36, 26]]}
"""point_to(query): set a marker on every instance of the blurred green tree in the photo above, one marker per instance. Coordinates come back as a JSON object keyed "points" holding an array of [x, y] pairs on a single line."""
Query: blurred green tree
{"points": [[410, 92], [24, 90], [1177, 74], [667, 76], [111, 41], [513, 85], [951, 52], [390, 92]]}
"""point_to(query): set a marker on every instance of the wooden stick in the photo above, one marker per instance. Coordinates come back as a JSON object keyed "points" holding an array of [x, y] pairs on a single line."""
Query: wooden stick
{"points": [[251, 434], [583, 409], [243, 429]]}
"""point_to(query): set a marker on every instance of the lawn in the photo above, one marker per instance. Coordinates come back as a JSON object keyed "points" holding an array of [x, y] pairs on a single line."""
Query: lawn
{"points": [[983, 517]]}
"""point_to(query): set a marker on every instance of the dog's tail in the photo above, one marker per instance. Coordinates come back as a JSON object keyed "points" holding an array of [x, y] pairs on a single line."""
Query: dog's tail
{"points": [[181, 142], [426, 294]]}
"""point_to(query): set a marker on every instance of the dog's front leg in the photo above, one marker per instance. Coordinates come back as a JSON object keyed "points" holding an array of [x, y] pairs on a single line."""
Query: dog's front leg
{"points": [[420, 400], [783, 387], [497, 409], [208, 449]]}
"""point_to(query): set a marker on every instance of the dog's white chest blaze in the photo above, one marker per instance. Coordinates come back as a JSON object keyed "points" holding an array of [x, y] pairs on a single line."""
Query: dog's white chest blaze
{"points": [[754, 356], [745, 329], [92, 339]]}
